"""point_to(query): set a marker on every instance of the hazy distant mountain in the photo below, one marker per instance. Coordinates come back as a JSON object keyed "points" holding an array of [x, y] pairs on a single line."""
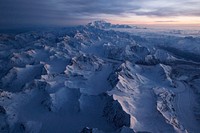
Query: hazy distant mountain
{"points": [[106, 25]]}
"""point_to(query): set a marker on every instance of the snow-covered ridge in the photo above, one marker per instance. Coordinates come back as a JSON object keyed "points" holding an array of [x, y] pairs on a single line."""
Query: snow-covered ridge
{"points": [[93, 79]]}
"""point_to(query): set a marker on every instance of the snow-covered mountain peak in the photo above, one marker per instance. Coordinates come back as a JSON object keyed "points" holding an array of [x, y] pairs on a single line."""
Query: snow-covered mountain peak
{"points": [[102, 24]]}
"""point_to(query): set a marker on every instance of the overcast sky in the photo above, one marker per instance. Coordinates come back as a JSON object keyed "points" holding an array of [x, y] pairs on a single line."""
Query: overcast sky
{"points": [[16, 13]]}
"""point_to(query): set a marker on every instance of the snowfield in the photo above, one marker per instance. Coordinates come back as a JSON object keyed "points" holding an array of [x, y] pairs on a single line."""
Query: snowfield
{"points": [[100, 78]]}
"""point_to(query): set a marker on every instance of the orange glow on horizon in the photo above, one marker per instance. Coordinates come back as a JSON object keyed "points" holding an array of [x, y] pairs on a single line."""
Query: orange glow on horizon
{"points": [[143, 20]]}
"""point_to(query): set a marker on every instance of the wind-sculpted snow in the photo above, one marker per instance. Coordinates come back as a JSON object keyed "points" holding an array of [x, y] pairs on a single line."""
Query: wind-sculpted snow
{"points": [[96, 79]]}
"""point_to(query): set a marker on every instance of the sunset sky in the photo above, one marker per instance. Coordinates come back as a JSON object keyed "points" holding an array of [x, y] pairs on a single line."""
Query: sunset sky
{"points": [[16, 13]]}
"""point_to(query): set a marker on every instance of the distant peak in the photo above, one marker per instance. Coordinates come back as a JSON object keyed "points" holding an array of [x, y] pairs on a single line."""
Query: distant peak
{"points": [[102, 24], [100, 21]]}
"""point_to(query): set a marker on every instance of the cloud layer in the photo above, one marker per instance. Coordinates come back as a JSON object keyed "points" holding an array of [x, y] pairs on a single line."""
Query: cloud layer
{"points": [[68, 12]]}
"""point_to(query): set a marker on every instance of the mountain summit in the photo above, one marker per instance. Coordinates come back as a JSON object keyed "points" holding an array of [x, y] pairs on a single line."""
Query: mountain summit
{"points": [[102, 24]]}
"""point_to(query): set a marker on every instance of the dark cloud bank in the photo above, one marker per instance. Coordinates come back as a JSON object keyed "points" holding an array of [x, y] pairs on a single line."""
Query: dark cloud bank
{"points": [[22, 13]]}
